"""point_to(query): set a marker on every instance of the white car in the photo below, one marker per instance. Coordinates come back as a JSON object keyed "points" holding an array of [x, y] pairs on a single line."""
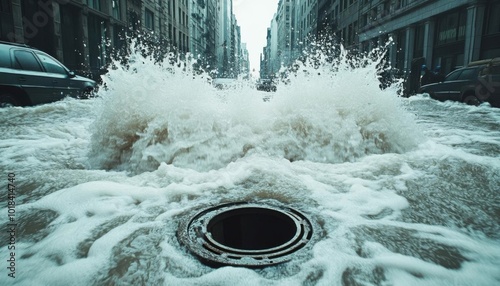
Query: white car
{"points": [[226, 83]]}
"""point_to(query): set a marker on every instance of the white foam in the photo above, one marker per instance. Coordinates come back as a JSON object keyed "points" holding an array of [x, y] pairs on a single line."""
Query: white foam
{"points": [[117, 174], [173, 117]]}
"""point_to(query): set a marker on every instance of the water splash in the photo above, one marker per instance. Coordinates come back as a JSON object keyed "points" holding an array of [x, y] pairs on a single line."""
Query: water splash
{"points": [[325, 111]]}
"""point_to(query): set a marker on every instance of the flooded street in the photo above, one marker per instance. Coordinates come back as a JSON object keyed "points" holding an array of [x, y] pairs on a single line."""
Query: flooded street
{"points": [[404, 191]]}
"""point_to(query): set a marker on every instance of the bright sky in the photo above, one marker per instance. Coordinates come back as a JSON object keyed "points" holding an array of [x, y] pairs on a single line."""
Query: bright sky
{"points": [[254, 17]]}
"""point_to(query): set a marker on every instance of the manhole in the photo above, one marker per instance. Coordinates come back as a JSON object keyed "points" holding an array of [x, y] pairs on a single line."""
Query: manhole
{"points": [[246, 234]]}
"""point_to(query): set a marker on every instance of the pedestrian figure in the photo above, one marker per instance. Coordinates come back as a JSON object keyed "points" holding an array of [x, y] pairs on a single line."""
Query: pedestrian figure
{"points": [[438, 74], [427, 77]]}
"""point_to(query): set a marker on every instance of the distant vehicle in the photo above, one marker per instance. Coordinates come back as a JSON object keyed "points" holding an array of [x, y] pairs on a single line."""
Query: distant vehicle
{"points": [[476, 83], [225, 83], [266, 85], [29, 77]]}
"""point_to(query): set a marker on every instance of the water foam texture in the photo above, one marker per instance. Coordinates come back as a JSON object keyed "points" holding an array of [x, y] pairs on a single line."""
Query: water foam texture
{"points": [[428, 216], [158, 112]]}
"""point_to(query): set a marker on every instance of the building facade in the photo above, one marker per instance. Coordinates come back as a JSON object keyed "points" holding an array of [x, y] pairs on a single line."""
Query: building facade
{"points": [[436, 32], [244, 62], [285, 31], [445, 33], [83, 34], [270, 62], [197, 29]]}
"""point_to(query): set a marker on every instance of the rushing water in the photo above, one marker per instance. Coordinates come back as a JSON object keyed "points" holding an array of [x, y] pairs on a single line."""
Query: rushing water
{"points": [[404, 191]]}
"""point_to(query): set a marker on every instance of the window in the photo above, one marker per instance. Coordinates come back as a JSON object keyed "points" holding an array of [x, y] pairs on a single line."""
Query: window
{"points": [[50, 64], [133, 20], [453, 76], [6, 19], [26, 60], [117, 9], [364, 20], [467, 74], [173, 9], [493, 25], [451, 28], [148, 19], [386, 8], [94, 4]]}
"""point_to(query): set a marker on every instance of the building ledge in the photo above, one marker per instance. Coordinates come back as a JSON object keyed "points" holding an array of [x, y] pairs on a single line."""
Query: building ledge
{"points": [[391, 15]]}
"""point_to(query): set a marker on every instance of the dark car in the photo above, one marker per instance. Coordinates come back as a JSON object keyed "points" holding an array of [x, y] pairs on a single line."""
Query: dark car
{"points": [[29, 76], [478, 82], [266, 85]]}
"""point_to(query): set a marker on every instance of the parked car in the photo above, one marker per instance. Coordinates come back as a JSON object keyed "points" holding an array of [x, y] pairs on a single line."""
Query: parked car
{"points": [[476, 83], [266, 85], [226, 83], [29, 76]]}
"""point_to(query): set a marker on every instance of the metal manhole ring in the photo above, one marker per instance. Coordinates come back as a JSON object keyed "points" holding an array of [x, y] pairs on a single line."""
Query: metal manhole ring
{"points": [[246, 234]]}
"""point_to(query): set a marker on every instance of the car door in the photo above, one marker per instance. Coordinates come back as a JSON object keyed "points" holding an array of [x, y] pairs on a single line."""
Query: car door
{"points": [[62, 83], [466, 82], [31, 77]]}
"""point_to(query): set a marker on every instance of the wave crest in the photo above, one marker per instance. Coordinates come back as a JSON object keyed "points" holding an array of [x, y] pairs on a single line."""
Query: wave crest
{"points": [[153, 112]]}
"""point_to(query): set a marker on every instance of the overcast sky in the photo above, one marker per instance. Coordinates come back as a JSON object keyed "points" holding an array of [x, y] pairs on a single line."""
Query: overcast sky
{"points": [[254, 17]]}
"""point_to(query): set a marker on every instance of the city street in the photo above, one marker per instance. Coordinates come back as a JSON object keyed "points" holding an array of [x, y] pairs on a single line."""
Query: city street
{"points": [[401, 191], [250, 142]]}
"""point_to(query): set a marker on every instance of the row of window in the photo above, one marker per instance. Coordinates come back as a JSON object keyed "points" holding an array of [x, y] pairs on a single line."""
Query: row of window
{"points": [[99, 5], [26, 60]]}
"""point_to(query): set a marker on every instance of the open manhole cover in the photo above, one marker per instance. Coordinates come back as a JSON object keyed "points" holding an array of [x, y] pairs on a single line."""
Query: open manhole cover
{"points": [[246, 234]]}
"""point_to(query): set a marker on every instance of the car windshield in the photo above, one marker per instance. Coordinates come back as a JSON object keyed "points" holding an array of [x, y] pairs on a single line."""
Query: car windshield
{"points": [[50, 64], [453, 75]]}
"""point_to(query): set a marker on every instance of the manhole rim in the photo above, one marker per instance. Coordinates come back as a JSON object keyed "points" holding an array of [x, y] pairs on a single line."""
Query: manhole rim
{"points": [[195, 239]]}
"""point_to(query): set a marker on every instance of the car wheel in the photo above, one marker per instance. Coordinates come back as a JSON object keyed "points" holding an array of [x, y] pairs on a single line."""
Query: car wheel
{"points": [[471, 99], [7, 100]]}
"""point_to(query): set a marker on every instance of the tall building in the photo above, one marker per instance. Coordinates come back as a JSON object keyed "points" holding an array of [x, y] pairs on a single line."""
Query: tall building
{"points": [[224, 38], [328, 11], [244, 61], [198, 27], [75, 32], [445, 33], [228, 40], [435, 32], [204, 32], [284, 26], [270, 59], [265, 57], [306, 17], [178, 21], [235, 48], [83, 34]]}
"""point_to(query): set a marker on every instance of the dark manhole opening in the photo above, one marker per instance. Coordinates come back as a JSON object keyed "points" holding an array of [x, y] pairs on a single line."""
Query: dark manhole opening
{"points": [[252, 228], [246, 234]]}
